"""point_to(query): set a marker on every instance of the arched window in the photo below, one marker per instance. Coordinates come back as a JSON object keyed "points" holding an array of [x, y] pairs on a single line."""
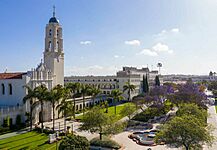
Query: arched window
{"points": [[10, 89], [3, 89], [57, 45], [50, 32], [57, 32], [49, 46]]}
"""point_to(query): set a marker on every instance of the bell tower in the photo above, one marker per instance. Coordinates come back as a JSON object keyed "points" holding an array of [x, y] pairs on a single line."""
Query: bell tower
{"points": [[53, 53]]}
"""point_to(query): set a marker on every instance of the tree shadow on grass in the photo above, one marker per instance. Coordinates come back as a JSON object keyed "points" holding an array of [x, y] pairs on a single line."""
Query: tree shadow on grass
{"points": [[26, 147], [12, 140]]}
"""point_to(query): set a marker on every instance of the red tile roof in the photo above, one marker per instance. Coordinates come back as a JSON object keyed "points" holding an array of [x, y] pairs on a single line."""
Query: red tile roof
{"points": [[17, 75]]}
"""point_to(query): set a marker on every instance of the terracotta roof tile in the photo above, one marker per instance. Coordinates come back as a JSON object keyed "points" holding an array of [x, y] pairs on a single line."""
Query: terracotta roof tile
{"points": [[16, 75]]}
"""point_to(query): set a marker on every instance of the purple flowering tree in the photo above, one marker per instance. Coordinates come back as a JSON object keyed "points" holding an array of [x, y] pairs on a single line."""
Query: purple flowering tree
{"points": [[189, 93]]}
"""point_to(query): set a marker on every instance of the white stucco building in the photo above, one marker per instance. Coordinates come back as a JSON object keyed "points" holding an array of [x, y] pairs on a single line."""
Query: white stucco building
{"points": [[108, 83], [49, 72]]}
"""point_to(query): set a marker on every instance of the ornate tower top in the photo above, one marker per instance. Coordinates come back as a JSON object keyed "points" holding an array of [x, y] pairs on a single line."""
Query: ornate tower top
{"points": [[54, 19], [53, 54]]}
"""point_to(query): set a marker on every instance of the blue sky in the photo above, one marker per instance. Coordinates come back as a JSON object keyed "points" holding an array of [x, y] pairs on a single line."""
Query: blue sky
{"points": [[101, 36]]}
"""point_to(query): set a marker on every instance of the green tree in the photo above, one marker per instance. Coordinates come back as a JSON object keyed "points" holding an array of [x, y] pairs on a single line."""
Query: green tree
{"points": [[74, 88], [95, 121], [94, 93], [65, 107], [74, 142], [130, 88], [193, 110], [41, 93], [128, 110], [31, 94], [185, 131], [145, 84], [116, 94], [54, 96], [85, 90], [157, 81]]}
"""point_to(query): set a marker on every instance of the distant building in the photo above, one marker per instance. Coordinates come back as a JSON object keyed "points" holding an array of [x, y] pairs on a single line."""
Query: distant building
{"points": [[181, 79], [108, 83]]}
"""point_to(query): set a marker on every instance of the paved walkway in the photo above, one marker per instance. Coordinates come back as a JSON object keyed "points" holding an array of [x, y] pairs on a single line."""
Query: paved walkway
{"points": [[7, 135], [212, 119]]}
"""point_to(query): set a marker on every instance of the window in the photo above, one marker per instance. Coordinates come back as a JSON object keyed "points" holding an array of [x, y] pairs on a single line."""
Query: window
{"points": [[3, 89], [57, 45], [10, 89], [49, 46], [50, 32], [57, 32]]}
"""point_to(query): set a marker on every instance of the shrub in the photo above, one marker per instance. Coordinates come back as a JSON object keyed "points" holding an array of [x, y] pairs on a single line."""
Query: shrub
{"points": [[74, 142], [4, 130], [18, 120], [105, 142], [149, 113], [6, 122]]}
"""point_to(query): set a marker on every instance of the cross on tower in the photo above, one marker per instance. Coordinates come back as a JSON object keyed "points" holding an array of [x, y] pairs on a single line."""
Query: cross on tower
{"points": [[54, 10]]}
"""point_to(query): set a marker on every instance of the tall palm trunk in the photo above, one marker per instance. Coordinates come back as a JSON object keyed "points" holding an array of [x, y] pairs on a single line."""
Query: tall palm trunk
{"points": [[129, 95], [74, 108], [64, 121], [30, 117], [42, 117], [53, 105], [83, 104]]}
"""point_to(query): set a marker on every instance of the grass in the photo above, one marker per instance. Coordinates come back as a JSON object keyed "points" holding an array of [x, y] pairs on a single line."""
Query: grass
{"points": [[27, 141], [111, 111], [216, 108]]}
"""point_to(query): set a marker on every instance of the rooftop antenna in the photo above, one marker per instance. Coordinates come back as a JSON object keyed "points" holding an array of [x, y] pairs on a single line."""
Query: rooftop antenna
{"points": [[6, 70], [54, 9]]}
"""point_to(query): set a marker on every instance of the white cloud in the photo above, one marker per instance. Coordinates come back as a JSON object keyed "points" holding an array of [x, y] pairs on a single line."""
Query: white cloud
{"points": [[116, 56], [164, 33], [175, 30], [159, 47], [148, 52], [85, 42], [133, 42]]}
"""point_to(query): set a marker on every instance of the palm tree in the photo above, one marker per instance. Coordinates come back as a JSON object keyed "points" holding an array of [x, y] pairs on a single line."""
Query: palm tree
{"points": [[29, 97], [130, 88], [54, 96], [94, 92], [74, 89], [116, 94], [85, 90], [42, 95], [65, 107]]}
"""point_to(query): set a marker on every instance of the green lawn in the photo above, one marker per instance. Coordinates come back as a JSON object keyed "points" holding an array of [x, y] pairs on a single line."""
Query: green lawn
{"points": [[111, 111], [29, 140], [216, 108]]}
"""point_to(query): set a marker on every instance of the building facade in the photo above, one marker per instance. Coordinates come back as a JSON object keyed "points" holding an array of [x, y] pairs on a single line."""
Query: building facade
{"points": [[109, 83], [49, 72]]}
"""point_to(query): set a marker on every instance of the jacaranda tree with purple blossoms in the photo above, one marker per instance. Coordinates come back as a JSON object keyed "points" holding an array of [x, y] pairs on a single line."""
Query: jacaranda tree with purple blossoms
{"points": [[189, 93], [155, 98]]}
